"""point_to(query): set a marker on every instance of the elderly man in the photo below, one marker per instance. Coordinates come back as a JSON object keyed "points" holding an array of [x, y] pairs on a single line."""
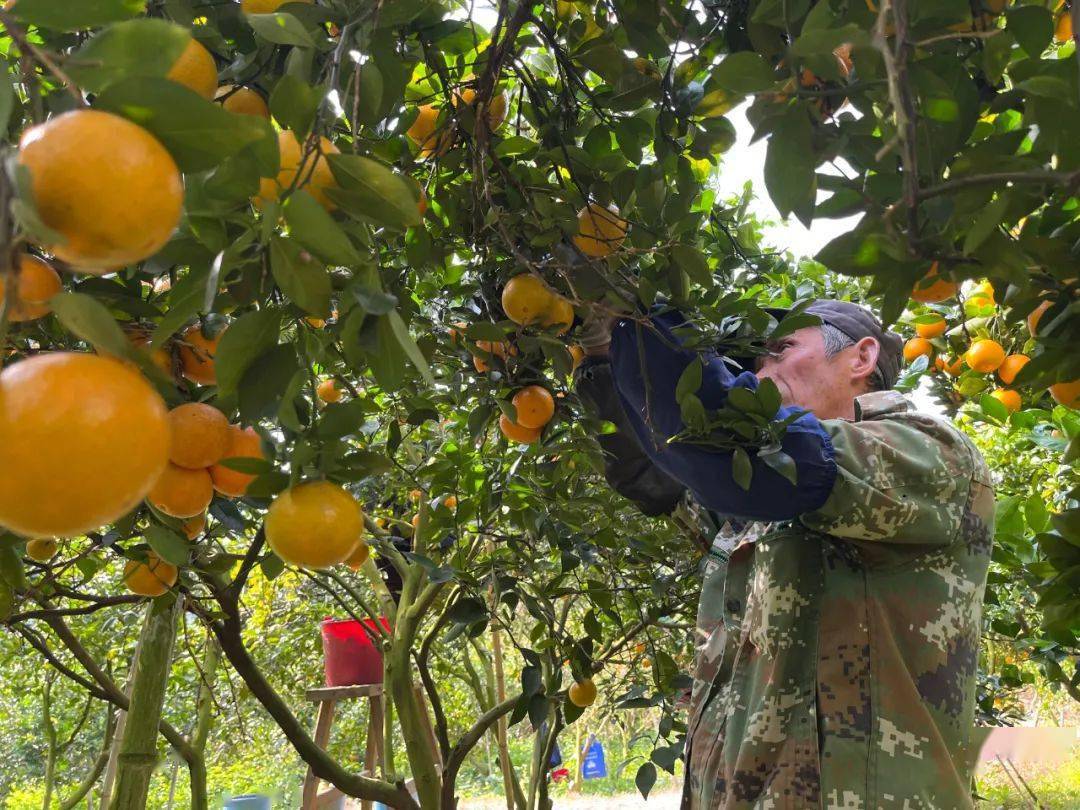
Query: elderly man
{"points": [[839, 620]]}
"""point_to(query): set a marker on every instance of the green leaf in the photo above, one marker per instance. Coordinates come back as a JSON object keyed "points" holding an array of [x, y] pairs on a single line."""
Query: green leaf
{"points": [[146, 47], [412, 351], [272, 565], [1032, 26], [789, 166], [743, 399], [782, 463], [395, 13], [768, 397], [993, 408], [186, 299], [88, 319], [793, 323], [645, 779], [373, 190], [167, 544], [689, 380], [315, 230], [370, 82], [7, 101], [300, 276], [741, 468], [67, 15], [294, 104], [985, 223], [246, 338], [266, 381], [823, 41], [743, 72], [198, 133], [693, 261], [281, 28]]}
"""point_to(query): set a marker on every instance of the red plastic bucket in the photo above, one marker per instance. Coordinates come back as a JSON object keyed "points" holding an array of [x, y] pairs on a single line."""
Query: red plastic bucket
{"points": [[349, 656]]}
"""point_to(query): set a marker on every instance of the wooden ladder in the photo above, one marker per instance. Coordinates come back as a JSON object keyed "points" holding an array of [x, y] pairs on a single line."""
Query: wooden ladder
{"points": [[328, 698]]}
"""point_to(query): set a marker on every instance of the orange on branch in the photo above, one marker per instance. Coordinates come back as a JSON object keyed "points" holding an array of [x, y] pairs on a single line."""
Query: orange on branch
{"points": [[1066, 393], [1035, 316], [422, 132], [181, 493], [494, 114], [303, 161], [194, 526], [328, 391], [577, 355], [601, 230], [497, 348], [242, 101], [931, 330], [314, 525], [195, 69], [560, 312], [358, 556], [450, 501], [83, 438], [37, 282], [1063, 28], [200, 435], [151, 578], [984, 356], [526, 299], [243, 443], [582, 693], [106, 185], [42, 549], [535, 406], [953, 368], [917, 347], [197, 356], [932, 288], [1010, 399], [517, 433], [1011, 366]]}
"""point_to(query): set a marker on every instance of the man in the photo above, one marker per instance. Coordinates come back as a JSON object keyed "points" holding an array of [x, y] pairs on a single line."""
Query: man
{"points": [[839, 620]]}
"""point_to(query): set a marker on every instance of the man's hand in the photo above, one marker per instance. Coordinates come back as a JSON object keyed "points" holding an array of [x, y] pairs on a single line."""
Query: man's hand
{"points": [[594, 336]]}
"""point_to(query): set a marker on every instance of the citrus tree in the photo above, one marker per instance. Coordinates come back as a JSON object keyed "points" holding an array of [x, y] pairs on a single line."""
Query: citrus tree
{"points": [[297, 286]]}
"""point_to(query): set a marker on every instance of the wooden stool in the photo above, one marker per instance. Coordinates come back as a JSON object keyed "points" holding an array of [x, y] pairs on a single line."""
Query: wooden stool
{"points": [[328, 698]]}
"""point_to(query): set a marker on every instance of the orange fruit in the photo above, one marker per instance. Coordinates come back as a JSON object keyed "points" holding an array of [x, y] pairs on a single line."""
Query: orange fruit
{"points": [[1011, 366], [982, 295], [37, 282], [328, 391], [314, 170], [953, 369], [243, 443], [561, 313], [194, 526], [526, 299], [150, 578], [200, 434], [415, 495], [495, 113], [582, 693], [104, 184], [933, 288], [535, 406], [160, 357], [457, 332], [498, 348], [359, 556], [42, 549], [314, 525], [416, 521], [931, 330], [578, 355], [195, 69], [265, 6], [450, 501], [517, 433], [984, 356], [182, 493], [1066, 393], [600, 230], [1035, 316], [197, 356], [242, 101], [316, 323], [1063, 30], [421, 203], [422, 132], [917, 347], [1010, 399], [83, 438]]}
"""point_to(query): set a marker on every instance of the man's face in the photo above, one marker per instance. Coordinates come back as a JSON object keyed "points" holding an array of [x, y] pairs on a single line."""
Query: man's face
{"points": [[796, 363]]}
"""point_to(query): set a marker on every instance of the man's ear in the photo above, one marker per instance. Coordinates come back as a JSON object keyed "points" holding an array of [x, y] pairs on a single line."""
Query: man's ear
{"points": [[864, 358]]}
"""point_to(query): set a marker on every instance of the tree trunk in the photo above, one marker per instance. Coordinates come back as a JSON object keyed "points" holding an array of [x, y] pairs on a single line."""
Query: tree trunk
{"points": [[138, 748], [50, 737], [84, 788]]}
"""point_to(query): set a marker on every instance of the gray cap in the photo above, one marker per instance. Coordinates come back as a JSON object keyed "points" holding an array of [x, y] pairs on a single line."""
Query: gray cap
{"points": [[858, 322]]}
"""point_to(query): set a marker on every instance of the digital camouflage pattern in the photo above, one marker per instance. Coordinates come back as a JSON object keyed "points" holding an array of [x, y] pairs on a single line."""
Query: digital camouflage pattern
{"points": [[837, 653]]}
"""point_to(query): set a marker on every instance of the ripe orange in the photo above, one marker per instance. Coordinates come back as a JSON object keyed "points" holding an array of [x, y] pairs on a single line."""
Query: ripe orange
{"points": [[933, 288], [314, 525], [526, 299], [42, 549], [265, 6], [954, 368], [535, 406], [1035, 316], [150, 578], [561, 313], [37, 283], [450, 501], [422, 132], [600, 230], [495, 113], [498, 348], [359, 556], [200, 434], [82, 439], [315, 174], [242, 101], [243, 443], [1011, 366], [578, 355], [1063, 30], [195, 69], [328, 391], [982, 295], [931, 330], [316, 323], [1066, 393], [105, 184], [517, 433], [160, 357], [917, 347], [457, 331], [984, 356], [1010, 399], [197, 356], [415, 495], [182, 493], [582, 693], [194, 526]]}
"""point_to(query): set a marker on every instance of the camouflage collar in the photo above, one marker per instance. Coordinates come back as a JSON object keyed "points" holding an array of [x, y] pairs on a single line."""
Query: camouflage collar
{"points": [[877, 404]]}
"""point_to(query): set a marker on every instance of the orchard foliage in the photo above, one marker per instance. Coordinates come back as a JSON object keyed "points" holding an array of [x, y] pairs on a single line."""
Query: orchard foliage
{"points": [[361, 181]]}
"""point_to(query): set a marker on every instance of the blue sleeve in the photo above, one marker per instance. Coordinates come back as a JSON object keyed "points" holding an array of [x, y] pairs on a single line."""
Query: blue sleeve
{"points": [[656, 354]]}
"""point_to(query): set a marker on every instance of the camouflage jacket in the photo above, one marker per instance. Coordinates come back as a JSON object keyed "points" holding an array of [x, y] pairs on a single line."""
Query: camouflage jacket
{"points": [[837, 647]]}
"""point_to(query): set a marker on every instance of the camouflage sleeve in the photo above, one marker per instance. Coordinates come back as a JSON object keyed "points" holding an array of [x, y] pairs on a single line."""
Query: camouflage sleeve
{"points": [[903, 480]]}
